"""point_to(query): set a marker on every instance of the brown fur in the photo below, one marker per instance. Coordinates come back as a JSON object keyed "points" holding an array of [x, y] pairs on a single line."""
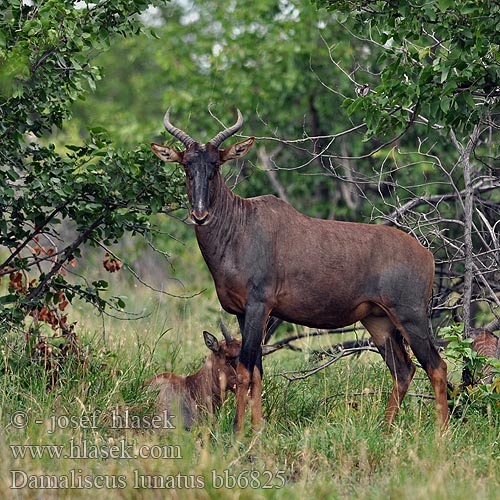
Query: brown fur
{"points": [[268, 259], [203, 391], [485, 344], [323, 274]]}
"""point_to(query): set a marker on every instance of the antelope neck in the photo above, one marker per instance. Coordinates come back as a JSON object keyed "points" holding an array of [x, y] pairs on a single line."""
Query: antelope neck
{"points": [[205, 384], [227, 216]]}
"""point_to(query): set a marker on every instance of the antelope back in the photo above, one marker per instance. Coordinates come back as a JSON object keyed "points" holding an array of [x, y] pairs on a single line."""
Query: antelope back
{"points": [[486, 344]]}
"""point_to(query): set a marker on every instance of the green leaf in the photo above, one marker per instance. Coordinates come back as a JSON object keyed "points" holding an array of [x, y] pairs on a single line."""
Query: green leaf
{"points": [[100, 284], [445, 4], [445, 104], [444, 73]]}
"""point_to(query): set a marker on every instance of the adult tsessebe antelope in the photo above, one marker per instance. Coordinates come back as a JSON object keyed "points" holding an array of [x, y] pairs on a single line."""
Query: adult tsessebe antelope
{"points": [[268, 259]]}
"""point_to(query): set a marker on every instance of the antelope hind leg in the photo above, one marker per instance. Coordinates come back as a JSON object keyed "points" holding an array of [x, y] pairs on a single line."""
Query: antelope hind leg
{"points": [[389, 342], [416, 331]]}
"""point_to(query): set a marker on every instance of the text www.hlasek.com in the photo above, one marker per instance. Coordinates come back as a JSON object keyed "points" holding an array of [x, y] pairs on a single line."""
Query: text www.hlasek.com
{"points": [[82, 449]]}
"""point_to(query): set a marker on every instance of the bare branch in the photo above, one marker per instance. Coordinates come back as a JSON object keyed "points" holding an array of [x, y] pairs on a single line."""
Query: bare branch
{"points": [[270, 168], [303, 374]]}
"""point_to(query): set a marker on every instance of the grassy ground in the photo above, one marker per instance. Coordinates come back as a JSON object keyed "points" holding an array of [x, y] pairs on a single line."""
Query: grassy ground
{"points": [[323, 437]]}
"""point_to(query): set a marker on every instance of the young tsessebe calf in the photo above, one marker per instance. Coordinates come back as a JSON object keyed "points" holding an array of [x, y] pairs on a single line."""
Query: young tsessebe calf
{"points": [[205, 390]]}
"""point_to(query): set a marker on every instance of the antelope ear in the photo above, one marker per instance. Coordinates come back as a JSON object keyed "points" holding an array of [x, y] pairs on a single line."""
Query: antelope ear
{"points": [[211, 342], [166, 153], [237, 150]]}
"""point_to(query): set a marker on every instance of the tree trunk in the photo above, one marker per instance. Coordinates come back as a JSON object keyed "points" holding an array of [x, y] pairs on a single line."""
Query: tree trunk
{"points": [[468, 207]]}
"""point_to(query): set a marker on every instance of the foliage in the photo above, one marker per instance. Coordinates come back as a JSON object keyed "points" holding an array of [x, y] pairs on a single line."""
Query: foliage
{"points": [[275, 68], [473, 395], [46, 51], [440, 59], [290, 71], [256, 64], [439, 66], [54, 201], [289, 68]]}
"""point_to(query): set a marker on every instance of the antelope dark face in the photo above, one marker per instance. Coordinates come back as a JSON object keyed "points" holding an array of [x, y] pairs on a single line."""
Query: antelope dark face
{"points": [[201, 163], [223, 360]]}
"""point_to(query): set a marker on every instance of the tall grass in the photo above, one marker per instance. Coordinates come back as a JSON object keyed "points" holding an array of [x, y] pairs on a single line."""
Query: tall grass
{"points": [[323, 437]]}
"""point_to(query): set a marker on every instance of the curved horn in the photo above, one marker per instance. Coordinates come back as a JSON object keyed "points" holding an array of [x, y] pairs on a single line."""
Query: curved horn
{"points": [[177, 132], [225, 331], [222, 136]]}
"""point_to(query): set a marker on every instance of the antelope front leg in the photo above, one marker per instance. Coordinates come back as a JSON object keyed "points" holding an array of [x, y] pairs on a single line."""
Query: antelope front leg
{"points": [[256, 400], [248, 371], [241, 398], [244, 384]]}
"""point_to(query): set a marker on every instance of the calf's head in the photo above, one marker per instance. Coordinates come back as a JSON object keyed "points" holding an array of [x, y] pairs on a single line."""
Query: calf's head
{"points": [[223, 360], [201, 163]]}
